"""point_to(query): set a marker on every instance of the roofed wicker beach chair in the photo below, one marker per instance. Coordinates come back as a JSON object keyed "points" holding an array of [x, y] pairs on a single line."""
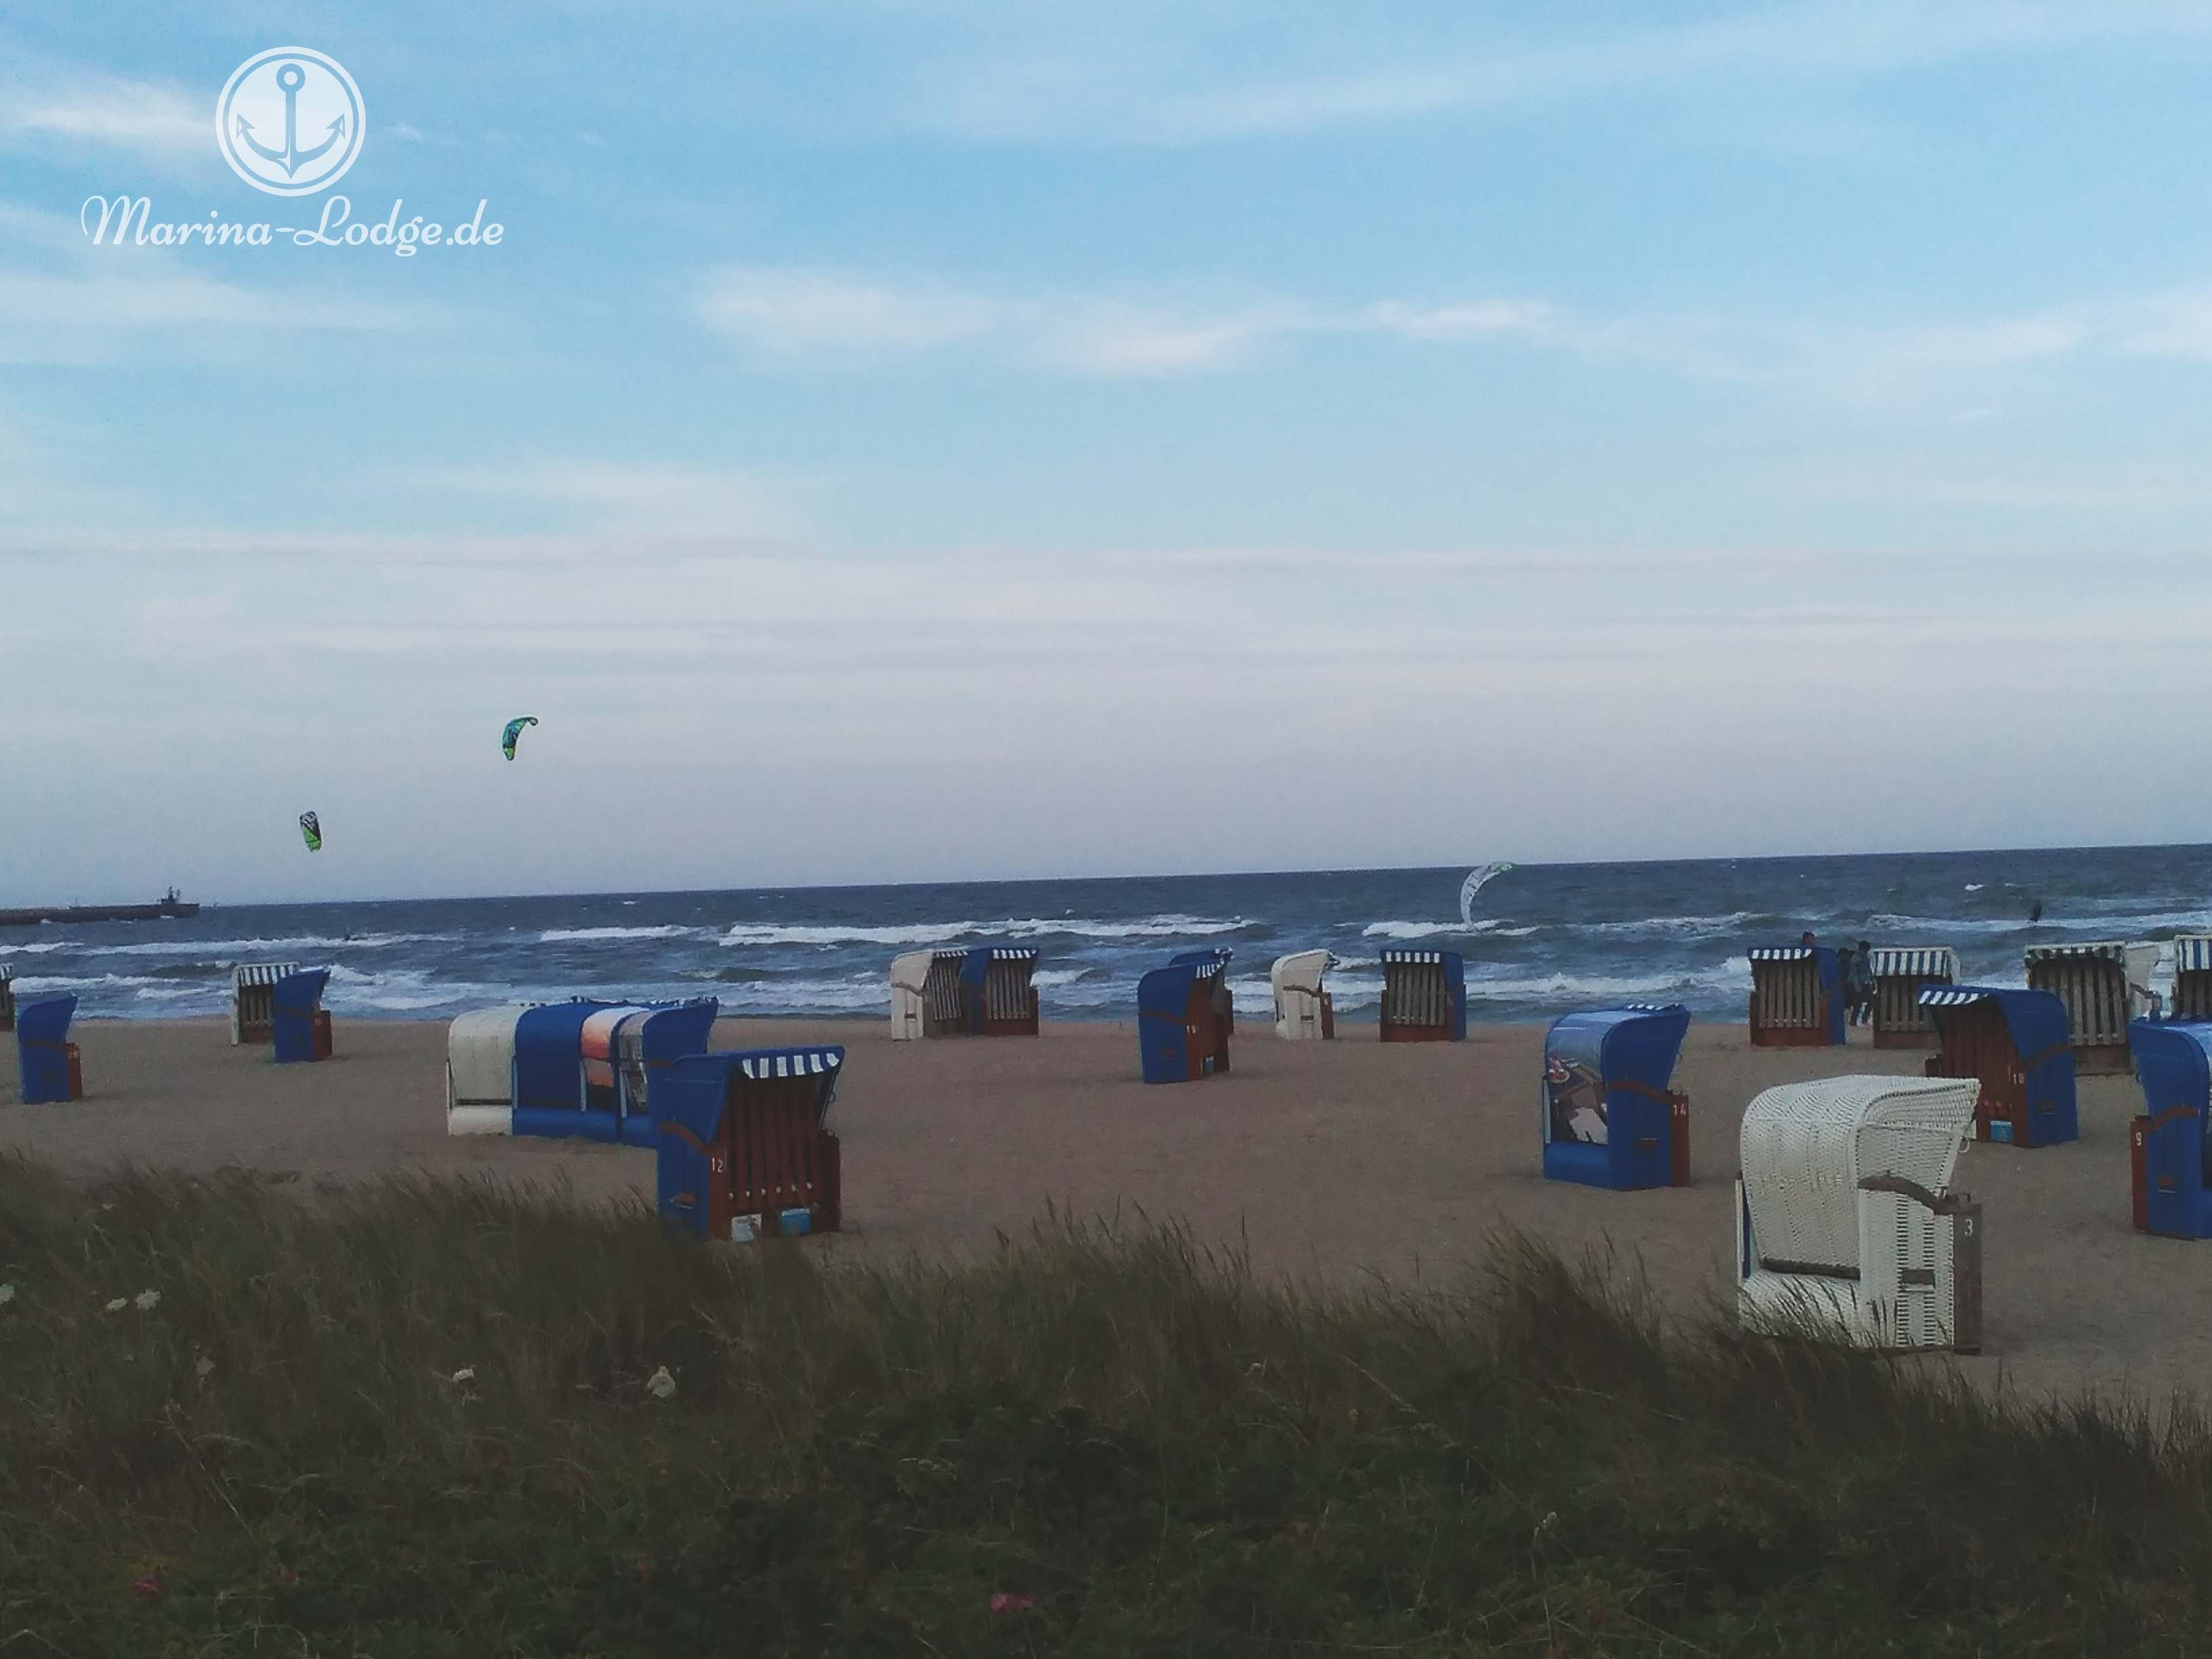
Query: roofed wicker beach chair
{"points": [[298, 1024], [1846, 1227], [1899, 972], [1424, 996], [744, 1148], [2193, 978], [2170, 1146], [2015, 1044], [1610, 1119], [252, 1008], [51, 1070], [480, 1070], [2104, 985], [1304, 1007], [1183, 1018], [1797, 997]]}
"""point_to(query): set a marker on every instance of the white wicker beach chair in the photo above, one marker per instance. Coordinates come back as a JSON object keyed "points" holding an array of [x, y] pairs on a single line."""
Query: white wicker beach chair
{"points": [[1303, 1007], [926, 992], [1847, 1229], [480, 1071]]}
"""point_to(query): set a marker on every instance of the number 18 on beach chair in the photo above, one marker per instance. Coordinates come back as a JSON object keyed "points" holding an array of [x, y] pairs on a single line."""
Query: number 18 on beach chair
{"points": [[48, 1062], [1183, 1018], [1424, 996], [1846, 1227], [1797, 997], [1609, 1118], [2168, 1148], [298, 1024], [743, 1151], [1302, 1008], [2014, 1043]]}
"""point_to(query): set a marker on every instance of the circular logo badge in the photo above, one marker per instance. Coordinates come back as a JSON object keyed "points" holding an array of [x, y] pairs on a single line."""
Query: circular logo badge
{"points": [[289, 121]]}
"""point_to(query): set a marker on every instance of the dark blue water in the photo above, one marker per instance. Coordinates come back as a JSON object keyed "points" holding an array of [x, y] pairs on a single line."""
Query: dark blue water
{"points": [[1546, 938]]}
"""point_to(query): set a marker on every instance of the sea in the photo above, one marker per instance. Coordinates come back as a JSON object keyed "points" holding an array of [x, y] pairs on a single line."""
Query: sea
{"points": [[1546, 938]]}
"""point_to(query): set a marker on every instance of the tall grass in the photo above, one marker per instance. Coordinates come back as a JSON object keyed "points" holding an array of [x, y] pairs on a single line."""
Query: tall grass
{"points": [[1162, 1454]]}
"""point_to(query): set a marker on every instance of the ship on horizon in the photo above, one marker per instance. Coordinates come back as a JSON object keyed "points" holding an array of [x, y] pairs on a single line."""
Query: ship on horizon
{"points": [[168, 907]]}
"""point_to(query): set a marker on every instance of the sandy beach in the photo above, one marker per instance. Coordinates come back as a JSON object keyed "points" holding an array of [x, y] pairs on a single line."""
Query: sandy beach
{"points": [[1339, 1159]]}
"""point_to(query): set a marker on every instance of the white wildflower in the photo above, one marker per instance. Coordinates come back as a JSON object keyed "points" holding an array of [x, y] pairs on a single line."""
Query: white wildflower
{"points": [[118, 1304], [147, 1300], [202, 1368], [660, 1385], [466, 1374], [7, 1294]]}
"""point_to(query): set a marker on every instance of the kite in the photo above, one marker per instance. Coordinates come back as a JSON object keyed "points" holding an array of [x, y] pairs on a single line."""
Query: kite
{"points": [[508, 739], [1478, 878], [311, 831]]}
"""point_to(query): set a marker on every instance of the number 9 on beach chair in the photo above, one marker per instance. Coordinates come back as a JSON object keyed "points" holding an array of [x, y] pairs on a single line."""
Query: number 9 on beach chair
{"points": [[2104, 985], [1797, 997], [298, 1024], [1609, 1118], [2014, 1043], [252, 1006], [1302, 1008], [48, 1062], [1182, 1019], [743, 1151], [1846, 1227], [2167, 1146], [1424, 996]]}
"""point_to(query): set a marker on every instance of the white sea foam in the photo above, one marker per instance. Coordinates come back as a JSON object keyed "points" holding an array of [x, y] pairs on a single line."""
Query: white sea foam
{"points": [[666, 930], [778, 933], [229, 950], [948, 934]]}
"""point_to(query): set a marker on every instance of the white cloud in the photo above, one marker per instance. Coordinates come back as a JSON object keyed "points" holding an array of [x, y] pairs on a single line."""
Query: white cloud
{"points": [[657, 498], [149, 119], [784, 310]]}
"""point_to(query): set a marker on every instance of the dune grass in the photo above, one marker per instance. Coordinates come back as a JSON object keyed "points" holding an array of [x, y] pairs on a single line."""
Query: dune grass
{"points": [[1157, 1452]]}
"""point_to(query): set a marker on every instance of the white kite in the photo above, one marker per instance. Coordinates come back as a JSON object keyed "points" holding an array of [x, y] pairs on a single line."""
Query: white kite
{"points": [[1478, 878]]}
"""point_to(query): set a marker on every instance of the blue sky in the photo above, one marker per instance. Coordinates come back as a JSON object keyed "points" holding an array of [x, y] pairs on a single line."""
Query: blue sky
{"points": [[945, 440]]}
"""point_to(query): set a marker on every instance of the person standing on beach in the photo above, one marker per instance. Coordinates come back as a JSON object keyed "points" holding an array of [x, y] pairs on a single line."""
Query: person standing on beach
{"points": [[1858, 986], [1845, 977]]}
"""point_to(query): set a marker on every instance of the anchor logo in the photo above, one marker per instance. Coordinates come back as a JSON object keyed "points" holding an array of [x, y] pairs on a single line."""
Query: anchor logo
{"points": [[303, 94]]}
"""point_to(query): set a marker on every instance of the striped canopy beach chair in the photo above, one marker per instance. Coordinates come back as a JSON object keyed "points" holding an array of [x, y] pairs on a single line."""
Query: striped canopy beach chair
{"points": [[1899, 972], [745, 1151], [2169, 1149], [982, 990], [1846, 1228], [1424, 996], [2015, 1044], [1797, 997], [925, 999], [252, 999], [1183, 1018], [51, 1070], [2193, 978], [1303, 1008], [2104, 985], [1610, 1119]]}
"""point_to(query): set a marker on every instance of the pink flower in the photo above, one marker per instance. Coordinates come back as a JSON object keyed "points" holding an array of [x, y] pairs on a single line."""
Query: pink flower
{"points": [[1011, 1602], [148, 1586]]}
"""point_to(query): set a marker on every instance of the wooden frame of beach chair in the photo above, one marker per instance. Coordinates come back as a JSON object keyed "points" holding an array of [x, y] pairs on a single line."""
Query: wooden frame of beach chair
{"points": [[2104, 985], [1424, 996], [2193, 978], [1899, 971], [252, 1010], [1846, 1228], [1797, 998]]}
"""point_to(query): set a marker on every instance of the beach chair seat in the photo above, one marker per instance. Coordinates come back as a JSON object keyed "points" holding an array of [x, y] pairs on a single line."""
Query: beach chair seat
{"points": [[51, 1070], [1183, 1017], [743, 1151], [2193, 978], [1797, 997], [7, 998], [298, 1024], [1304, 1007], [1899, 973], [1609, 1118], [1424, 996], [2015, 1044], [1846, 1228], [253, 1007], [2104, 985], [2169, 1150], [927, 997]]}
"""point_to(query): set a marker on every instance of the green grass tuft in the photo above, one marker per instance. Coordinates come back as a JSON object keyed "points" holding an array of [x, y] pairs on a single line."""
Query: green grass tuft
{"points": [[1165, 1454]]}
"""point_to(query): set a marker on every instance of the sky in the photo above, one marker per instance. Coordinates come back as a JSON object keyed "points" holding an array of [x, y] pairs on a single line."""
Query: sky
{"points": [[916, 439]]}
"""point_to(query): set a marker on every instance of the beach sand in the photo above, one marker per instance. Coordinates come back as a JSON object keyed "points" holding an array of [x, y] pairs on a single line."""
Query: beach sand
{"points": [[1341, 1159]]}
